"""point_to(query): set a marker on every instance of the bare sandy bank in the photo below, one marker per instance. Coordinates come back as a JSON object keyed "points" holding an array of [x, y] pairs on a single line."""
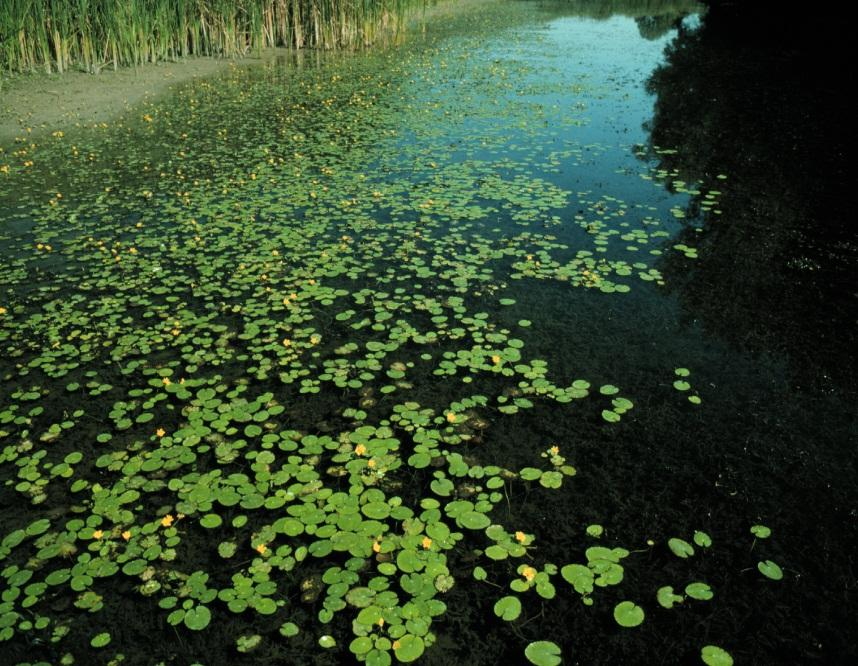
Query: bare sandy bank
{"points": [[33, 104]]}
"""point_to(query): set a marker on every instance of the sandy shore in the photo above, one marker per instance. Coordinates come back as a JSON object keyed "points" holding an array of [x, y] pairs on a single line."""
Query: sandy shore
{"points": [[47, 103]]}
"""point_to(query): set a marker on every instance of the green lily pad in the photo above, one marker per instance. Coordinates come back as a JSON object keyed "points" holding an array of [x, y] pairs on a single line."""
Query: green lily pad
{"points": [[508, 608], [680, 548], [100, 640], [761, 531], [474, 520], [408, 648], [627, 614], [770, 570], [667, 598], [699, 591], [543, 653], [712, 655], [198, 618]]}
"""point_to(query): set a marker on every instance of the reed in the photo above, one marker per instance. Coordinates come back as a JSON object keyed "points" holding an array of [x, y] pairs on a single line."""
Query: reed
{"points": [[55, 35]]}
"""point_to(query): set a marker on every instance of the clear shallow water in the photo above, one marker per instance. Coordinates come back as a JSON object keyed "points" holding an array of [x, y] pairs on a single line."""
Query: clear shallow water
{"points": [[455, 255]]}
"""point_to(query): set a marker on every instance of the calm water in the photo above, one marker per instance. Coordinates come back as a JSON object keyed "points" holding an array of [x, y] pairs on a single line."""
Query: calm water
{"points": [[281, 346]]}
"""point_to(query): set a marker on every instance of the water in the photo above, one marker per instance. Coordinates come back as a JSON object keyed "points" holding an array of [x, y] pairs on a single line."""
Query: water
{"points": [[306, 304]]}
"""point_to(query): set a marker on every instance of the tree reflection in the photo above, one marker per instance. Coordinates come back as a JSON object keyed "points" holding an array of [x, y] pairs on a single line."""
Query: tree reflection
{"points": [[761, 99]]}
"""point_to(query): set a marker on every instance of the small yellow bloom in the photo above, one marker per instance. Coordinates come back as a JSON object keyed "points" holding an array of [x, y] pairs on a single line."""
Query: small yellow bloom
{"points": [[451, 417], [126, 535], [496, 359], [529, 573], [376, 547], [167, 520], [166, 381], [521, 537], [97, 534], [160, 432], [147, 118], [396, 645], [380, 622], [3, 310], [370, 463], [426, 543], [360, 449], [262, 549], [554, 450], [287, 342]]}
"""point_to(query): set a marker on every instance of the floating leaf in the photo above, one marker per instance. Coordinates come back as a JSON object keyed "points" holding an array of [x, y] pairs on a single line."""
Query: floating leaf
{"points": [[508, 608], [680, 548], [770, 570], [712, 655], [197, 618], [627, 614], [667, 598], [699, 591], [408, 648], [761, 531], [543, 653]]}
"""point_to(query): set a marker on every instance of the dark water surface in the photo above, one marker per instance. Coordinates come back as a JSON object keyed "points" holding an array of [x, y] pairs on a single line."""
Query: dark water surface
{"points": [[337, 310]]}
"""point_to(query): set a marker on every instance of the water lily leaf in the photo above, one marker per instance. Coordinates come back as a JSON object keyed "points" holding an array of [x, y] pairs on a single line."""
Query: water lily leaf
{"points": [[211, 520], [289, 629], [408, 648], [627, 614], [761, 531], [198, 618], [667, 598], [770, 570], [712, 655], [100, 640], [474, 520], [543, 653], [702, 539], [508, 608], [699, 591], [680, 547]]}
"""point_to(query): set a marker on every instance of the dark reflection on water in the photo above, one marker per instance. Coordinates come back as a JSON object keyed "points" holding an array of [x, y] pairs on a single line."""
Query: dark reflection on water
{"points": [[767, 107]]}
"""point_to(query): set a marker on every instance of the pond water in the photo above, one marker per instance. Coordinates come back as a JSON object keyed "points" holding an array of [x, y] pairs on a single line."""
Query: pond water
{"points": [[520, 339]]}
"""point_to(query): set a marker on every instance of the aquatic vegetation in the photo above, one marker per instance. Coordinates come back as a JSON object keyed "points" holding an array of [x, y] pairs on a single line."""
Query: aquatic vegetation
{"points": [[264, 350], [94, 35]]}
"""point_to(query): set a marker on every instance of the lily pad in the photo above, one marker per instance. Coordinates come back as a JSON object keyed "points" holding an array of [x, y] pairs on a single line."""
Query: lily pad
{"points": [[543, 653], [627, 614], [508, 608]]}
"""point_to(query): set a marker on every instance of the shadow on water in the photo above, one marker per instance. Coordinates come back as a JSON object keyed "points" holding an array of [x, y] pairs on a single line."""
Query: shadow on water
{"points": [[767, 107]]}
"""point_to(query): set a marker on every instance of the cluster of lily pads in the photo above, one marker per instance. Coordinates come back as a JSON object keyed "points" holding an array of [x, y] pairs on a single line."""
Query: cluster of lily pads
{"points": [[269, 318]]}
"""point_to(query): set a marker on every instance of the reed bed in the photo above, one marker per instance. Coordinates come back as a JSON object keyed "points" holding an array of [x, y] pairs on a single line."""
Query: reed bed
{"points": [[56, 35]]}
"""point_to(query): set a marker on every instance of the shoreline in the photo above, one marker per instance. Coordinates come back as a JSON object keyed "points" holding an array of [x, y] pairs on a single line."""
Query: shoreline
{"points": [[32, 105], [36, 104]]}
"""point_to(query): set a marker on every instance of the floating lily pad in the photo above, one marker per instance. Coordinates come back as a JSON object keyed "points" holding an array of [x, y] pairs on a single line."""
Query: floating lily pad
{"points": [[627, 614], [543, 653]]}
